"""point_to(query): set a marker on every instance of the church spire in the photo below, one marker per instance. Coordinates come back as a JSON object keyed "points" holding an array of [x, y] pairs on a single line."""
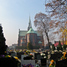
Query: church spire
{"points": [[29, 26]]}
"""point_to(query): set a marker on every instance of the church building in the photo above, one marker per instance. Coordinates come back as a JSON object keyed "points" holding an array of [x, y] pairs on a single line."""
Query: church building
{"points": [[29, 35]]}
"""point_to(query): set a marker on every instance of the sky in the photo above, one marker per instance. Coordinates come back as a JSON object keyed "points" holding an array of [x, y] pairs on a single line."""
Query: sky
{"points": [[14, 15]]}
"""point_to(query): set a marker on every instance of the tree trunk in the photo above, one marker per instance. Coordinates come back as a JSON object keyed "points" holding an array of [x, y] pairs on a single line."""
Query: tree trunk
{"points": [[48, 42]]}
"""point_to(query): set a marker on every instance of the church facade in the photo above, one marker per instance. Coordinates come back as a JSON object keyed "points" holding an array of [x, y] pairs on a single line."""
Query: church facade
{"points": [[29, 35]]}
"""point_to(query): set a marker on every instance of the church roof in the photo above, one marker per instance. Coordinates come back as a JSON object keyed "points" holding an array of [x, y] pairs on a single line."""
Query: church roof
{"points": [[31, 31], [23, 33]]}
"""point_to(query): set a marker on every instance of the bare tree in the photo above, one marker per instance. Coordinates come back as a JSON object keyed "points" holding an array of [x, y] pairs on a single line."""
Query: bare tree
{"points": [[42, 23], [57, 8], [58, 13]]}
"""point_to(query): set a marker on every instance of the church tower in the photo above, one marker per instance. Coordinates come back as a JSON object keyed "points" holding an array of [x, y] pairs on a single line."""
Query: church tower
{"points": [[29, 26]]}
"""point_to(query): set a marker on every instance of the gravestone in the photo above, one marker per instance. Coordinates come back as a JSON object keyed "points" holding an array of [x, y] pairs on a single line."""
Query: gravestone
{"points": [[43, 62], [26, 62], [37, 56], [39, 62], [61, 63], [22, 56], [27, 58], [19, 54], [56, 56]]}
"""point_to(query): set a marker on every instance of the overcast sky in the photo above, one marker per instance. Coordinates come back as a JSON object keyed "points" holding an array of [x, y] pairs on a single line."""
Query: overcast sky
{"points": [[14, 15]]}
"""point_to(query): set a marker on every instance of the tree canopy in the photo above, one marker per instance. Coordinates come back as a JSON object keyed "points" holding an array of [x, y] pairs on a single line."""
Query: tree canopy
{"points": [[58, 14], [57, 8], [42, 23], [3, 46]]}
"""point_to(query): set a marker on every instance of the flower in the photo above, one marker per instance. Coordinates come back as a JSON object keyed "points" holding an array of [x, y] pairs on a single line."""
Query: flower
{"points": [[30, 54], [23, 65], [7, 56], [64, 53], [52, 63], [16, 58], [63, 57]]}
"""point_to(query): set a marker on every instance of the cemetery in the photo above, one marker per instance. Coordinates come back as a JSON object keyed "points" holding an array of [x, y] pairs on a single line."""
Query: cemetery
{"points": [[56, 57], [33, 59], [44, 47], [39, 59]]}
